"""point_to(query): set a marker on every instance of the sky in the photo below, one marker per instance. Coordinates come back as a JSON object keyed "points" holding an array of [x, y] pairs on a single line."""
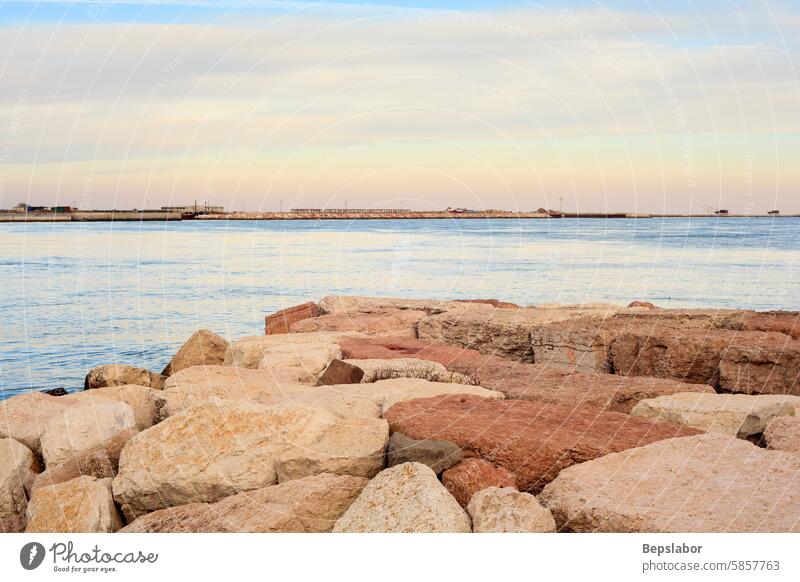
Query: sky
{"points": [[259, 105]]}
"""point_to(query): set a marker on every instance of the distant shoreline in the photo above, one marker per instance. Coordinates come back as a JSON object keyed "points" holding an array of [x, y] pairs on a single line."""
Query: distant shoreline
{"points": [[161, 216]]}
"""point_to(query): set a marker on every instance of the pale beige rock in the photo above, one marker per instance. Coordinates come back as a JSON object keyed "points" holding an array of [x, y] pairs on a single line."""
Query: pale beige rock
{"points": [[211, 451], [25, 416], [248, 352], [144, 401], [120, 375], [82, 427], [18, 465], [739, 415], [352, 303], [705, 483], [406, 498], [311, 504], [783, 434], [203, 348], [304, 365], [375, 370], [506, 510], [82, 505]]}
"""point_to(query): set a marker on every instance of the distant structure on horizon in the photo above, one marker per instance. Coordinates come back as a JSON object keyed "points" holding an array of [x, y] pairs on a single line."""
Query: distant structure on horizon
{"points": [[195, 209], [352, 210]]}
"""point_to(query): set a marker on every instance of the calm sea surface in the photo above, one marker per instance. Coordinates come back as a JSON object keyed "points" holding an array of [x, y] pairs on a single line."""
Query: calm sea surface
{"points": [[73, 296]]}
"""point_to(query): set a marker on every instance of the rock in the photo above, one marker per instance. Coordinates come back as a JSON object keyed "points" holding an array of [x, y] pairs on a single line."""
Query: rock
{"points": [[280, 321], [706, 483], [506, 510], [783, 434], [18, 465], [376, 369], [379, 321], [786, 322], [119, 375], [203, 348], [761, 363], [438, 455], [144, 402], [82, 505], [734, 414], [217, 449], [311, 504], [492, 302], [407, 498], [350, 304], [473, 475], [642, 305], [520, 381], [83, 427], [533, 440], [581, 346], [100, 462], [13, 524], [339, 372], [56, 391], [25, 416], [288, 358]]}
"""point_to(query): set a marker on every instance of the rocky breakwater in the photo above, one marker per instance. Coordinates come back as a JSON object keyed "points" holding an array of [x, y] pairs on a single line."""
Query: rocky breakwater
{"points": [[357, 414]]}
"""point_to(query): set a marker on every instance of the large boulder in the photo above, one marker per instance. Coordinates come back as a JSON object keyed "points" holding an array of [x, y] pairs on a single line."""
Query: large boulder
{"points": [[533, 440], [18, 465], [783, 434], [786, 322], [506, 510], [203, 348], [739, 415], [438, 455], [82, 505], [705, 483], [340, 372], [581, 345], [119, 375], [761, 363], [472, 475], [144, 402], [374, 370], [310, 504], [373, 322], [407, 498], [287, 358], [353, 303], [13, 524], [280, 321], [83, 427], [25, 416]]}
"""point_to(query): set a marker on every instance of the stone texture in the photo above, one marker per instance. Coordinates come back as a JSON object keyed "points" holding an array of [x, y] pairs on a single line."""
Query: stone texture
{"points": [[533, 440], [438, 455], [473, 475], [580, 345], [378, 369], [203, 348], [25, 416], [783, 434], [281, 321], [642, 305], [310, 504], [18, 465], [406, 498], [13, 524], [144, 402], [761, 363], [82, 505], [786, 322], [83, 427], [100, 462], [119, 375], [352, 303], [373, 322], [738, 415], [339, 372], [492, 302], [506, 510], [706, 483]]}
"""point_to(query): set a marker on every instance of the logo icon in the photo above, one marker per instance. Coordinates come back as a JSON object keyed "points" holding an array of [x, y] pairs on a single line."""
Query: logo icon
{"points": [[31, 555]]}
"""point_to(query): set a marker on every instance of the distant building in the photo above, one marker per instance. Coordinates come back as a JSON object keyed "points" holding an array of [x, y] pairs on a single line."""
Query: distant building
{"points": [[351, 210], [195, 209]]}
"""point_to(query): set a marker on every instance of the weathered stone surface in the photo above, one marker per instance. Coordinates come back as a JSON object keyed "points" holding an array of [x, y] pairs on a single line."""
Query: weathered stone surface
{"points": [[642, 305], [100, 462], [406, 498], [379, 321], [18, 465], [533, 440], [281, 321], [783, 434], [580, 345], [339, 372], [525, 381], [786, 322], [25, 416], [82, 505], [13, 524], [739, 415], [438, 455], [706, 483], [506, 510], [473, 475], [351, 303], [376, 369], [83, 427], [203, 348], [310, 504], [144, 401], [119, 375], [492, 302], [761, 363]]}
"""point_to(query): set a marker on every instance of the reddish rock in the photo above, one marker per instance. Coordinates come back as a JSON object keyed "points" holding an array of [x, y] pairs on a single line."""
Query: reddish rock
{"points": [[533, 440], [281, 321], [339, 372], [472, 475], [525, 381], [642, 304], [492, 302], [371, 322], [761, 363], [786, 322]]}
